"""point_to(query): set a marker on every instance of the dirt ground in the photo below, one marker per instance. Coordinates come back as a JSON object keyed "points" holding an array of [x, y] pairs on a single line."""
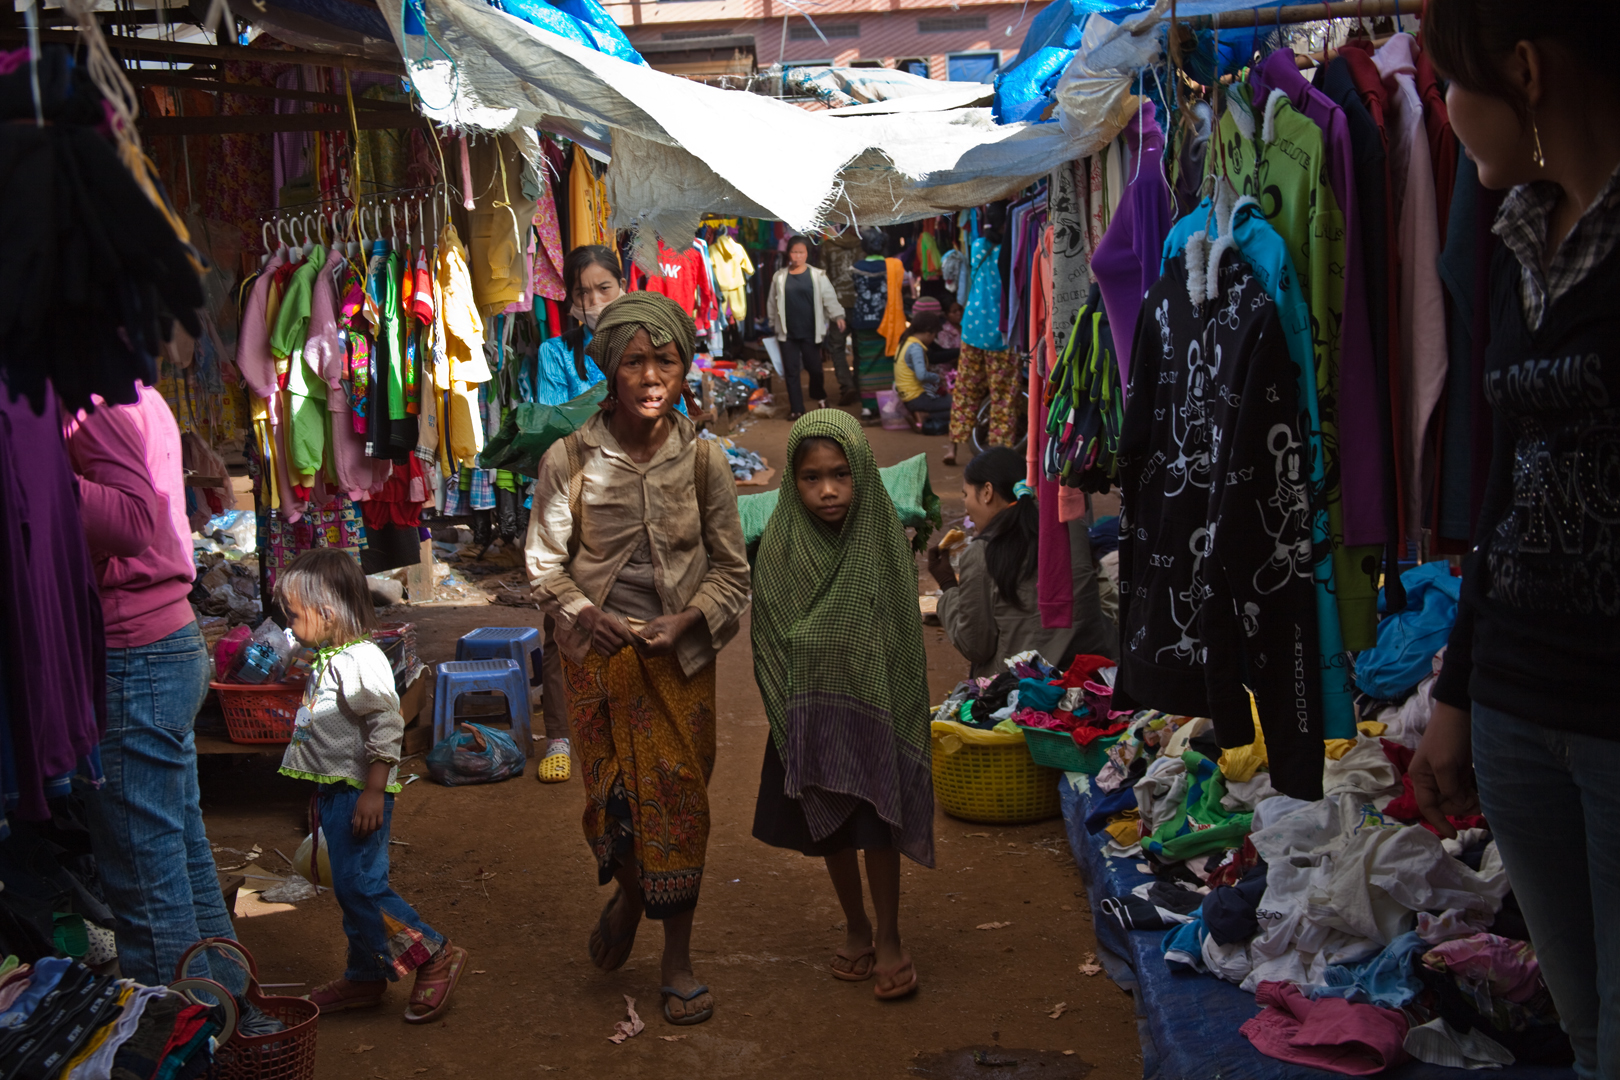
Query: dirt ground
{"points": [[504, 871]]}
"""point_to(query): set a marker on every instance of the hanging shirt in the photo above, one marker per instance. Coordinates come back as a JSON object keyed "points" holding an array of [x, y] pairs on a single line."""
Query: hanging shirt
{"points": [[1127, 259], [1268, 257], [683, 277], [1362, 476], [1423, 357], [1279, 142], [732, 269], [1212, 438], [981, 318]]}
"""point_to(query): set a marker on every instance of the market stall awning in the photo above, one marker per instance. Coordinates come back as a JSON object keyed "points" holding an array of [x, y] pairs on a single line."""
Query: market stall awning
{"points": [[680, 149]]}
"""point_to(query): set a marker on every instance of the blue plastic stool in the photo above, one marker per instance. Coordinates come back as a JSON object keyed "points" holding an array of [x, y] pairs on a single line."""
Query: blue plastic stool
{"points": [[467, 677], [517, 643]]}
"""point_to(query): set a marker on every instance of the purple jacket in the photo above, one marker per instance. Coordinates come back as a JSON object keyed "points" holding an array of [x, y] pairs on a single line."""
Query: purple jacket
{"points": [[55, 661], [1360, 468], [1126, 262]]}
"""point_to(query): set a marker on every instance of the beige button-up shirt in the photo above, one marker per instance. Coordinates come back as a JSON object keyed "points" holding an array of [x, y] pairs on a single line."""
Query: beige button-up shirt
{"points": [[699, 559]]}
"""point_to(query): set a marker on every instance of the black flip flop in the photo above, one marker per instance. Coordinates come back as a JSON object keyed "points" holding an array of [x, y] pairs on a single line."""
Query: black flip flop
{"points": [[602, 943], [685, 1021]]}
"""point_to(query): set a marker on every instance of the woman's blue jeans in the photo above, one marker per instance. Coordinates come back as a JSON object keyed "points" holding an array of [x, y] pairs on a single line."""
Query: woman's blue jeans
{"points": [[1554, 807], [146, 824]]}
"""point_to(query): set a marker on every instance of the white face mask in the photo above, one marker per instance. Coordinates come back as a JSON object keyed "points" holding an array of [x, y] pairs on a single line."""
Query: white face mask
{"points": [[588, 316]]}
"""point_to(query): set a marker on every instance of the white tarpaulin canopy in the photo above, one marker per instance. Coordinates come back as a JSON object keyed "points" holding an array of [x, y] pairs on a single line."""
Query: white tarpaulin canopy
{"points": [[680, 149]]}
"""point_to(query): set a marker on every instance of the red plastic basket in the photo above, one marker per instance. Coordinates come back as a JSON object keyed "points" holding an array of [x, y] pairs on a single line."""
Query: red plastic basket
{"points": [[288, 1054], [259, 714]]}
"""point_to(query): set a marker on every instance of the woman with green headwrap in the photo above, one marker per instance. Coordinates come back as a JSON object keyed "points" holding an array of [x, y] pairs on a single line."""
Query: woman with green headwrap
{"points": [[635, 549], [838, 653]]}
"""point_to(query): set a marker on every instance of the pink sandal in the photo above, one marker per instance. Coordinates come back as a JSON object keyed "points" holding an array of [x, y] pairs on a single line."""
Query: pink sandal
{"points": [[435, 981]]}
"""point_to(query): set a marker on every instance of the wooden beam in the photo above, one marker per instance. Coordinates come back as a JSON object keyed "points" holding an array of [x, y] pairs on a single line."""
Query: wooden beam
{"points": [[214, 86], [190, 50], [1304, 13], [275, 122]]}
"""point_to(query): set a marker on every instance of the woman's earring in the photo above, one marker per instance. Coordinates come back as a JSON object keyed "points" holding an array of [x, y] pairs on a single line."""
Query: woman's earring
{"points": [[1537, 156]]}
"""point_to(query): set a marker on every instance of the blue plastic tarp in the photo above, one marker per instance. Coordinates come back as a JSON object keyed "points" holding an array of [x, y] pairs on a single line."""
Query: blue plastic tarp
{"points": [[1189, 1023], [582, 21]]}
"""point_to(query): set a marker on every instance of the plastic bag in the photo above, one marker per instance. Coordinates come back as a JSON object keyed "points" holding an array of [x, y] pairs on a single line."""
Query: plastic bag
{"points": [[234, 530], [892, 413], [475, 755], [530, 430], [265, 658], [228, 652], [1407, 642], [1094, 99]]}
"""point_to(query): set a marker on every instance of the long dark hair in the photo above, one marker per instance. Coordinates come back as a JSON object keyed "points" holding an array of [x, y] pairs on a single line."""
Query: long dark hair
{"points": [[1468, 40], [1010, 554], [574, 265]]}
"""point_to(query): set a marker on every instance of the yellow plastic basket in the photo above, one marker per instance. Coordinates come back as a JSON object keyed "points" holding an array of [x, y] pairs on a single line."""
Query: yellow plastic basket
{"points": [[989, 776]]}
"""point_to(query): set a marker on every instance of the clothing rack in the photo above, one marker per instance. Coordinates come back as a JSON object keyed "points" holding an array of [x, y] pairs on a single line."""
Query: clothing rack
{"points": [[1304, 13], [337, 220]]}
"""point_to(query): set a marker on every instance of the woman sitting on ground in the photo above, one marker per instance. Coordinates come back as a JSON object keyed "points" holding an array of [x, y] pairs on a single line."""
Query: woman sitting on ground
{"points": [[921, 388], [994, 609], [847, 761]]}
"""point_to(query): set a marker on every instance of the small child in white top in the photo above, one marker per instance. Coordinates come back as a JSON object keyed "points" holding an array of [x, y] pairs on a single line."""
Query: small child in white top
{"points": [[347, 739]]}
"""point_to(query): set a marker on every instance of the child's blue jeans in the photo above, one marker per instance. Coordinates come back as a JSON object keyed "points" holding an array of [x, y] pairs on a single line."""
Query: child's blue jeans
{"points": [[387, 938]]}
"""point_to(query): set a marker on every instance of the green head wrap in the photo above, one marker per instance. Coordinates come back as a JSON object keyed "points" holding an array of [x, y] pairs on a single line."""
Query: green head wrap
{"points": [[655, 313], [838, 651]]}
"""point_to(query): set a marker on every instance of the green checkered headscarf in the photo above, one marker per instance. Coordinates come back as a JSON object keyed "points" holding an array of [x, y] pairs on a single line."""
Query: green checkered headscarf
{"points": [[838, 651], [655, 313]]}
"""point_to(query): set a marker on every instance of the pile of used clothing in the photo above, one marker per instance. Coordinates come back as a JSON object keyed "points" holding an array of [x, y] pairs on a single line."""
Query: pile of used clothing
{"points": [[1347, 914], [1366, 938], [1033, 694], [58, 1016]]}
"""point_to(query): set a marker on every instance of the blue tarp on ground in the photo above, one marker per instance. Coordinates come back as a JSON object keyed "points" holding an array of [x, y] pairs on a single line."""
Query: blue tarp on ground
{"points": [[1189, 1023]]}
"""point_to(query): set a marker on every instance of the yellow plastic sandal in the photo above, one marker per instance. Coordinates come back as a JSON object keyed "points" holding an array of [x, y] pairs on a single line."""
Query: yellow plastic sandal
{"points": [[555, 768]]}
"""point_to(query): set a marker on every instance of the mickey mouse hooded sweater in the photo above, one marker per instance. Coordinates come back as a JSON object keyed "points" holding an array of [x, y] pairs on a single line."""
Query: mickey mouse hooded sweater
{"points": [[1216, 591]]}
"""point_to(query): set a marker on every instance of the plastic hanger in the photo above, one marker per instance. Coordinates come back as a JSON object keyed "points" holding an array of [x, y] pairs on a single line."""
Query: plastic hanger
{"points": [[264, 238]]}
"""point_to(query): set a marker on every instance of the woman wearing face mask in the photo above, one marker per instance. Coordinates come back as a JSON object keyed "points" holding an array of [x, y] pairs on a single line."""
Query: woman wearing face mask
{"points": [[1522, 722], [593, 279], [636, 550], [591, 276], [802, 303]]}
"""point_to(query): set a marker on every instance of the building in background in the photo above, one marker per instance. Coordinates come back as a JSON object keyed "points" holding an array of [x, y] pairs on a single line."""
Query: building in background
{"points": [[704, 39]]}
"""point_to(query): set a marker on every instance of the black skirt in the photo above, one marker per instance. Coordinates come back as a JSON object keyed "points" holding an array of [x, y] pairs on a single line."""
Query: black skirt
{"points": [[779, 820]]}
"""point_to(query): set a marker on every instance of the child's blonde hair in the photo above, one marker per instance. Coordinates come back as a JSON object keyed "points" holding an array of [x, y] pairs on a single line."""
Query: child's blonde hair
{"points": [[330, 582]]}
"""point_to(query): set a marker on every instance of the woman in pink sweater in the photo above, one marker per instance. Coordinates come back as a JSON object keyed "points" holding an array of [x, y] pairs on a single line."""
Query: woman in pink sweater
{"points": [[146, 823]]}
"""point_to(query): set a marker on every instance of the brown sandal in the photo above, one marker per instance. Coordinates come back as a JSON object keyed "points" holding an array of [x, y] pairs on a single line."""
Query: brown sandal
{"points": [[857, 971], [897, 988], [435, 981], [340, 995]]}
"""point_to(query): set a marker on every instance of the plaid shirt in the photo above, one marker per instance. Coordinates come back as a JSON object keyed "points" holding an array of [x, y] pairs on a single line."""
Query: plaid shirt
{"points": [[1522, 225]]}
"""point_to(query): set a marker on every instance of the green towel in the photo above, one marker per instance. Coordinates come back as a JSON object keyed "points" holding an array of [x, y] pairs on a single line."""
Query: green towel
{"points": [[907, 484]]}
